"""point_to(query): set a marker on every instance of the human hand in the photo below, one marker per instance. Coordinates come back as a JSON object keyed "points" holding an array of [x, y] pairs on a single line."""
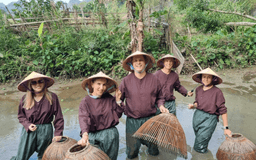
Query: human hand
{"points": [[190, 94], [163, 109], [118, 95], [191, 106], [227, 132], [56, 138], [84, 141], [32, 127]]}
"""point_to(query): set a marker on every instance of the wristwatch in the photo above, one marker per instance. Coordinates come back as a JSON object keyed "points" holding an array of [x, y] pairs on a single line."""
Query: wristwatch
{"points": [[225, 127]]}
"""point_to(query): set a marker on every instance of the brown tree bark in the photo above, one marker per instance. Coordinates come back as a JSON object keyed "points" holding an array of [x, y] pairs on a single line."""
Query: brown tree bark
{"points": [[132, 25], [140, 28]]}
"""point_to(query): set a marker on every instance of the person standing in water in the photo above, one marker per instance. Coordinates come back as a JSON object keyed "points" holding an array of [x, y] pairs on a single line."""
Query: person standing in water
{"points": [[169, 81], [99, 113], [209, 104], [37, 109], [142, 90]]}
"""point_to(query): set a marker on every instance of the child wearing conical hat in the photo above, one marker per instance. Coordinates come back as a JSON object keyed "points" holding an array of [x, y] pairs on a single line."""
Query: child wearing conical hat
{"points": [[209, 104], [170, 81], [142, 90], [37, 109], [99, 113]]}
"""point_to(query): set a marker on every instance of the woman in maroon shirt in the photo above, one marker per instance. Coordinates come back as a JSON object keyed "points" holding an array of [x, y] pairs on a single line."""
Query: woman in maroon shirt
{"points": [[210, 103], [36, 111], [99, 113], [169, 81]]}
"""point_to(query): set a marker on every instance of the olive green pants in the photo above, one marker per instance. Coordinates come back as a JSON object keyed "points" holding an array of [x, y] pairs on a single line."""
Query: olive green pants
{"points": [[204, 125], [170, 105], [36, 141], [133, 144], [107, 140]]}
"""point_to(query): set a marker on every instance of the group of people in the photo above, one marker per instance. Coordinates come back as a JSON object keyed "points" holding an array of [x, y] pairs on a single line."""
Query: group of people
{"points": [[140, 96]]}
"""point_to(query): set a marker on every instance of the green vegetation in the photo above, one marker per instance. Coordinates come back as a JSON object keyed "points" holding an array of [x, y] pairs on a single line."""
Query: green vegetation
{"points": [[70, 53]]}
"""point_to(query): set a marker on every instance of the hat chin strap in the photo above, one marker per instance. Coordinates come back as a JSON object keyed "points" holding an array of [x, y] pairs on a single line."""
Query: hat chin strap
{"points": [[132, 68], [96, 97]]}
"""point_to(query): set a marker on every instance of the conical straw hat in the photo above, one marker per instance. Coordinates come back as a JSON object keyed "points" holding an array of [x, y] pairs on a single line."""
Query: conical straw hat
{"points": [[160, 62], [88, 82], [165, 131], [23, 85], [138, 53], [196, 76]]}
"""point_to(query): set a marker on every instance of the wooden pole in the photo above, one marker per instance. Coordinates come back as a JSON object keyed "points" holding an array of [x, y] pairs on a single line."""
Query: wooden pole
{"points": [[196, 61], [83, 20], [149, 18]]}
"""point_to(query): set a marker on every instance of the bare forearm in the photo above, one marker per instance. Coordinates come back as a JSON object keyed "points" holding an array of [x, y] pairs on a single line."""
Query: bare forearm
{"points": [[225, 119]]}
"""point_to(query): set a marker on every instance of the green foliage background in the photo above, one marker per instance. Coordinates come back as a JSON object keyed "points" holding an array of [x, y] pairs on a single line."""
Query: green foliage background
{"points": [[69, 53]]}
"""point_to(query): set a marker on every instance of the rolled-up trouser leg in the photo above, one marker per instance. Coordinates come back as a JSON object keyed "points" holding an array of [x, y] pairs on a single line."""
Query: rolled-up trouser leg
{"points": [[133, 144], [107, 140], [170, 105], [34, 141], [204, 125], [44, 138]]}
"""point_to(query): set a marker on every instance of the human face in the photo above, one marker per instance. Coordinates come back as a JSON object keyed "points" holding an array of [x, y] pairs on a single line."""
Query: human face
{"points": [[206, 79], [168, 63], [99, 86], [138, 63], [37, 84]]}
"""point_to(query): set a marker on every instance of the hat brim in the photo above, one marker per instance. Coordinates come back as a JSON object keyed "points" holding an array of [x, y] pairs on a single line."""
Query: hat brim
{"points": [[196, 76], [160, 62], [149, 59], [23, 85], [88, 83]]}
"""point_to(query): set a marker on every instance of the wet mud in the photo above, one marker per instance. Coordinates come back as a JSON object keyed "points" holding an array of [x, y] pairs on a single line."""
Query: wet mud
{"points": [[239, 90]]}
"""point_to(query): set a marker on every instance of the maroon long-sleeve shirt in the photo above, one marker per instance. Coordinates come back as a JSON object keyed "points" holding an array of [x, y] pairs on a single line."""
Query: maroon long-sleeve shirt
{"points": [[42, 113], [99, 114], [169, 82], [211, 101], [141, 95]]}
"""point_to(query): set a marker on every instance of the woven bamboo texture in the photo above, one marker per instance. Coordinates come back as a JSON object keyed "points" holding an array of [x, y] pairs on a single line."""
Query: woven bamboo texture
{"points": [[57, 150], [237, 147], [89, 152], [165, 131]]}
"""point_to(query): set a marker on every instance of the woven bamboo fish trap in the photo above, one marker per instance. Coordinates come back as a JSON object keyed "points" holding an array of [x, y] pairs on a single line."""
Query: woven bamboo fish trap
{"points": [[57, 150], [236, 147], [165, 131], [88, 152]]}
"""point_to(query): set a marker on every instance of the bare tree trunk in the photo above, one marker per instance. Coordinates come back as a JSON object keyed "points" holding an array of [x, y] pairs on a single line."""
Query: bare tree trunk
{"points": [[140, 29], [130, 7]]}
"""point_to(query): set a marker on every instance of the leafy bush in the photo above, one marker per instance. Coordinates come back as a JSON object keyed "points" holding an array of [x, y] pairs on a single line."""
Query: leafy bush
{"points": [[222, 49]]}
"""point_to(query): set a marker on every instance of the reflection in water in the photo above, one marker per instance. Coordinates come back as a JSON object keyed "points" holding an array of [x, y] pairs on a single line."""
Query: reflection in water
{"points": [[241, 109]]}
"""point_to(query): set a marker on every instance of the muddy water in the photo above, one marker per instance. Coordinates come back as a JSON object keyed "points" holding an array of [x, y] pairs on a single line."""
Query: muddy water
{"points": [[240, 98]]}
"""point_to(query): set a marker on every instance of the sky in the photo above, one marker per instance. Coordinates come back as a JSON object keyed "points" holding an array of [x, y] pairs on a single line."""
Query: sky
{"points": [[6, 2]]}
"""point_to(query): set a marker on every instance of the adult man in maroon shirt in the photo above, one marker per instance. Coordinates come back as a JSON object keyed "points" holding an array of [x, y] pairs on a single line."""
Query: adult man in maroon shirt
{"points": [[142, 91]]}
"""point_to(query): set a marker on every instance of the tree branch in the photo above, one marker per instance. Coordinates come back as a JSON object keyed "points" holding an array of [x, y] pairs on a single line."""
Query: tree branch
{"points": [[240, 24], [236, 13]]}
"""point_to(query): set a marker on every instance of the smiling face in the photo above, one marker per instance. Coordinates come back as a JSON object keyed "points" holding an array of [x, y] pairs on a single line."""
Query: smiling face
{"points": [[37, 84], [138, 63], [99, 86], [168, 63], [206, 79]]}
